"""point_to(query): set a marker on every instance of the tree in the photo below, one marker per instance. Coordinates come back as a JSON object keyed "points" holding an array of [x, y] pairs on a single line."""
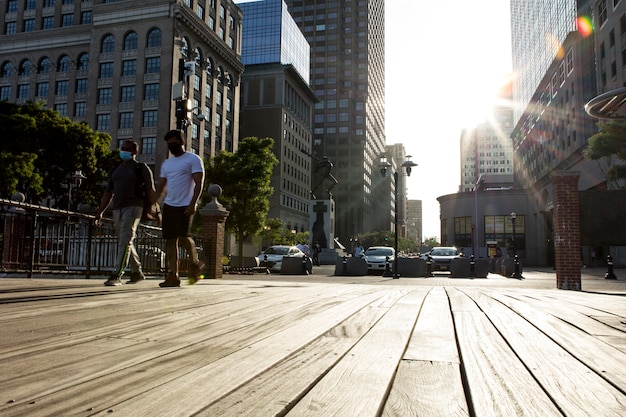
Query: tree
{"points": [[245, 179], [62, 147], [609, 145], [16, 170]]}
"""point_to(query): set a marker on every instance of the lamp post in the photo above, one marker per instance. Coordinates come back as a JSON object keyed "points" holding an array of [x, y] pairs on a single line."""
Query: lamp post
{"points": [[76, 179], [476, 241], [516, 272], [407, 165]]}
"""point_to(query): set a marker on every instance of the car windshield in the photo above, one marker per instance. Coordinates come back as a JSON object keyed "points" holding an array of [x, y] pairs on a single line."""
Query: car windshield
{"points": [[378, 252], [276, 251], [443, 252]]}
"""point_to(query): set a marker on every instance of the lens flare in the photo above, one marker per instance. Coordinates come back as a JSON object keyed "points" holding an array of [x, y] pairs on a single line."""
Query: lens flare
{"points": [[585, 27]]}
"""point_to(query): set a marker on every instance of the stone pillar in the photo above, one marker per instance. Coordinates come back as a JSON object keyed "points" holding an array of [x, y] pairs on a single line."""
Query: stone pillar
{"points": [[567, 230], [214, 217]]}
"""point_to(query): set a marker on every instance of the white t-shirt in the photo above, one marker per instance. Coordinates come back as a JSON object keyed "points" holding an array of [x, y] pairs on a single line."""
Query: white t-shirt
{"points": [[177, 171]]}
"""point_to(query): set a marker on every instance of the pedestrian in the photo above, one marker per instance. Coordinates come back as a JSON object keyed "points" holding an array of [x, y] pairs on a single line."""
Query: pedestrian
{"points": [[316, 253], [358, 250], [182, 180], [127, 185]]}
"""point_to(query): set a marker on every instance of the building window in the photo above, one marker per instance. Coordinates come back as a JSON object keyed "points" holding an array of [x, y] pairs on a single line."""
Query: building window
{"points": [[150, 118], [463, 232], [105, 95], [127, 94], [5, 92], [23, 90], [83, 62], [148, 145], [80, 109], [86, 17], [154, 38], [130, 42], [25, 68], [29, 25], [42, 89], [64, 64], [47, 22], [81, 85], [10, 28], [129, 67], [108, 44], [45, 66], [153, 65], [106, 70], [67, 20], [602, 15], [500, 229], [48, 3], [12, 6], [61, 108], [151, 92], [103, 122], [62, 88], [126, 120], [31, 5]]}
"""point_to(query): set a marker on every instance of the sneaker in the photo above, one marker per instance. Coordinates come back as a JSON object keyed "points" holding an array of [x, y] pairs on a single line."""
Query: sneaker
{"points": [[135, 277], [114, 281], [171, 280], [195, 272]]}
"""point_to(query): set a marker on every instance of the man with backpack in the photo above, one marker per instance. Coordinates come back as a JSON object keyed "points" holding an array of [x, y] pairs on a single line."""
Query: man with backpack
{"points": [[128, 185]]}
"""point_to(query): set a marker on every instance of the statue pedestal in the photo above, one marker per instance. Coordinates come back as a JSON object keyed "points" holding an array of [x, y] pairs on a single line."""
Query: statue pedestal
{"points": [[322, 223]]}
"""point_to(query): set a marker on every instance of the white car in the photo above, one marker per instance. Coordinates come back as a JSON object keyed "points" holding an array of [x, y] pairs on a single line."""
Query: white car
{"points": [[442, 256], [272, 256], [377, 256]]}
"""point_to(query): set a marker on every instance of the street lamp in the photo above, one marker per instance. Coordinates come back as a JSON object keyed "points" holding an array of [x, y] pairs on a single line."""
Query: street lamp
{"points": [[476, 227], [77, 179], [407, 165], [516, 273]]}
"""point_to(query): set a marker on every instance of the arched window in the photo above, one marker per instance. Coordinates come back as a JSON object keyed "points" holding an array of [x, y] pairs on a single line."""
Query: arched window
{"points": [[108, 44], [45, 65], [64, 64], [130, 42], [7, 69], [83, 61], [154, 38], [25, 67]]}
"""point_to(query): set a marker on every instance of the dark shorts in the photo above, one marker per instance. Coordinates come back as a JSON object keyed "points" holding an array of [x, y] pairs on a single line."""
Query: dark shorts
{"points": [[175, 223]]}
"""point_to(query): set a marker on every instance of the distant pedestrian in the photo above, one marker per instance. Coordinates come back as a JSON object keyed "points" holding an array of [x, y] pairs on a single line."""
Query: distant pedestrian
{"points": [[127, 184], [358, 250], [182, 179], [316, 253]]}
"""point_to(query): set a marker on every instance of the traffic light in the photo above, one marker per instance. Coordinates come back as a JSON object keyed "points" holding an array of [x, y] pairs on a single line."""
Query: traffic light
{"points": [[182, 114]]}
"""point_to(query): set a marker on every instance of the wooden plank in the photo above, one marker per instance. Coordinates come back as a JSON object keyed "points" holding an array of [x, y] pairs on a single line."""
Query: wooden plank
{"points": [[569, 382], [499, 384], [200, 387], [98, 380], [358, 384], [596, 351], [428, 381], [273, 392]]}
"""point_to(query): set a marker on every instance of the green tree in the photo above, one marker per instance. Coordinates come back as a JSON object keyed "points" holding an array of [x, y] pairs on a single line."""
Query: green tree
{"points": [[245, 179], [62, 146], [16, 170], [609, 145]]}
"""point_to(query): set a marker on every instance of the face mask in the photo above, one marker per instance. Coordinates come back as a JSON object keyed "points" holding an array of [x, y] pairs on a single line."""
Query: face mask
{"points": [[175, 148], [126, 155]]}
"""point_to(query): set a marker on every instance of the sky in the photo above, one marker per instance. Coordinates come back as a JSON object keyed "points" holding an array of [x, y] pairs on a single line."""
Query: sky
{"points": [[444, 62]]}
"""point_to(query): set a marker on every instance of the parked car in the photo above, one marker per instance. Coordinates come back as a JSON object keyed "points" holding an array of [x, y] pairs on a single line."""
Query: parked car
{"points": [[272, 256], [376, 257], [441, 257]]}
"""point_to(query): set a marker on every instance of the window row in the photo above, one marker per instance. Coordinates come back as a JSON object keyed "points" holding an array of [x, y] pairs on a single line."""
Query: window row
{"points": [[44, 66]]}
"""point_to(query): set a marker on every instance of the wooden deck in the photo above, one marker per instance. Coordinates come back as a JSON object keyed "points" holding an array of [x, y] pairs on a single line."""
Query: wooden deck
{"points": [[308, 346]]}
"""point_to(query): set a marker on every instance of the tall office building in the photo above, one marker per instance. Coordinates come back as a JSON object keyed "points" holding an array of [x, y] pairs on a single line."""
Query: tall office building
{"points": [[487, 149], [538, 29], [116, 64], [277, 102], [347, 41]]}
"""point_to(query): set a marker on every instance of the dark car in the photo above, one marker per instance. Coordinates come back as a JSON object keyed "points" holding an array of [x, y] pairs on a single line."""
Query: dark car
{"points": [[441, 256]]}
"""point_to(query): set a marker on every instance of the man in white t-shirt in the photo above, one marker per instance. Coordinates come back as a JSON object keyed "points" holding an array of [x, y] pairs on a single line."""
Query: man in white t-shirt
{"points": [[182, 179]]}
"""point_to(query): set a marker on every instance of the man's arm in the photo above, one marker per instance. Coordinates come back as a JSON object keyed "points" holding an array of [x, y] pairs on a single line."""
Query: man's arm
{"points": [[104, 203], [198, 179], [160, 187]]}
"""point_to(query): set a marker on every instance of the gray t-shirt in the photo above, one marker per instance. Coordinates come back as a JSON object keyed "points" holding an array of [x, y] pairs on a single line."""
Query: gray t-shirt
{"points": [[123, 184]]}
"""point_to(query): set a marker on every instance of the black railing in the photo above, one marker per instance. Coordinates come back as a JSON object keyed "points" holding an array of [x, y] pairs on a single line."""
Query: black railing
{"points": [[38, 239]]}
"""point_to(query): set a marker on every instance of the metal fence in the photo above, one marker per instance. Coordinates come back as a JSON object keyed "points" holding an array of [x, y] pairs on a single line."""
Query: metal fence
{"points": [[42, 240]]}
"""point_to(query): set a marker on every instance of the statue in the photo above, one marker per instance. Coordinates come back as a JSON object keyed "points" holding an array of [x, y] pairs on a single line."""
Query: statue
{"points": [[322, 173]]}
